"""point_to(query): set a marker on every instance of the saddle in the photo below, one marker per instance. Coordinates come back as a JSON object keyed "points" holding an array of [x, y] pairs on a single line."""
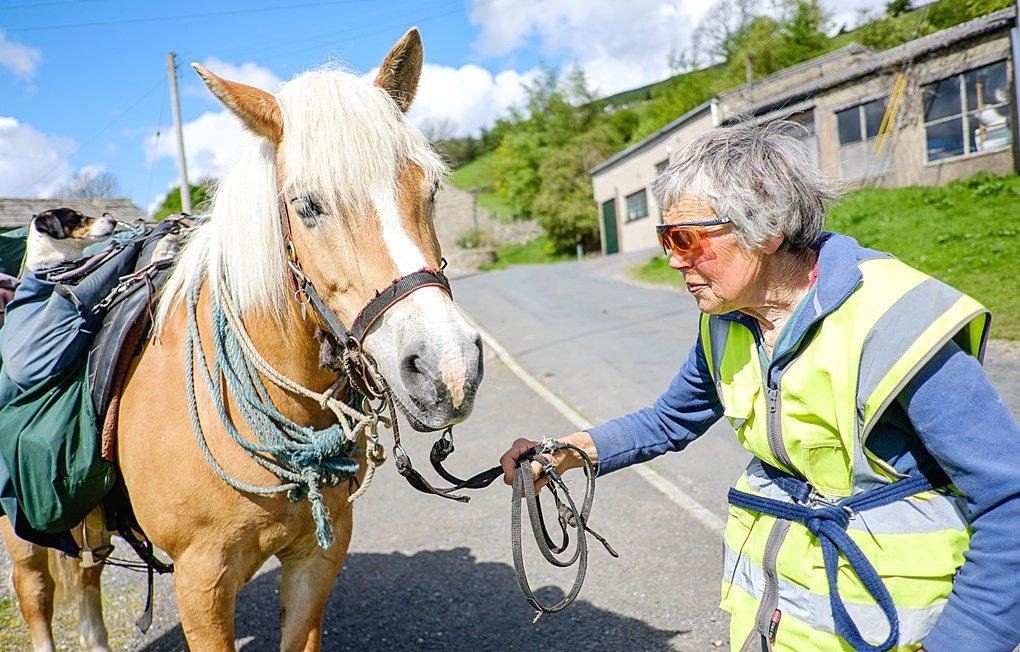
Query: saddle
{"points": [[59, 472]]}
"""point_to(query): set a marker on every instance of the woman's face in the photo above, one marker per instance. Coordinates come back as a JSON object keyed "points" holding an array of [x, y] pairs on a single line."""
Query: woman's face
{"points": [[721, 275]]}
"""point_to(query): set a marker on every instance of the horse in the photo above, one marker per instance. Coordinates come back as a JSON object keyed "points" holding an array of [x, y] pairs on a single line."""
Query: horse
{"points": [[337, 179]]}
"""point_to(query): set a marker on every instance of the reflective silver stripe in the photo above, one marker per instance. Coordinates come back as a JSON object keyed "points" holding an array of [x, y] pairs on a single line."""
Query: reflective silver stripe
{"points": [[814, 609], [897, 330], [718, 332], [908, 516]]}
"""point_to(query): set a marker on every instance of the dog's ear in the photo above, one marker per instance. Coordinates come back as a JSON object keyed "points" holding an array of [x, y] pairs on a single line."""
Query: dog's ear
{"points": [[49, 224]]}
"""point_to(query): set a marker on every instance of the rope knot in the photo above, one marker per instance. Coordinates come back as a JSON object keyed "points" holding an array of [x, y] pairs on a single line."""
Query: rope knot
{"points": [[834, 513]]}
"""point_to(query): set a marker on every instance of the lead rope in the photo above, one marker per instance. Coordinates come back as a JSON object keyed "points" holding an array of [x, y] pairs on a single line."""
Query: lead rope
{"points": [[303, 458]]}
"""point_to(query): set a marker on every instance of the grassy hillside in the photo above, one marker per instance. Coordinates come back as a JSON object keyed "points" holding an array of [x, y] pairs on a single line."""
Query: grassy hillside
{"points": [[477, 176], [966, 233]]}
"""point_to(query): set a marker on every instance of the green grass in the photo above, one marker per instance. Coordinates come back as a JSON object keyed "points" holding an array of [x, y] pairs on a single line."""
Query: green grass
{"points": [[534, 252], [966, 233], [476, 177]]}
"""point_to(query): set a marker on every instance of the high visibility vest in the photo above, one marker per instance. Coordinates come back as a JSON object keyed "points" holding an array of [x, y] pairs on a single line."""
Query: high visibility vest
{"points": [[815, 425]]}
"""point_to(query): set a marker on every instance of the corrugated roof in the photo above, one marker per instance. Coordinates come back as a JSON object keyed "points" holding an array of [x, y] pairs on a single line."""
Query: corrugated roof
{"points": [[849, 49], [19, 212], [887, 59], [657, 137]]}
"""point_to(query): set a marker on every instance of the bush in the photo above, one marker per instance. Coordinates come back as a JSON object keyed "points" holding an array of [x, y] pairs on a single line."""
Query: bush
{"points": [[474, 239]]}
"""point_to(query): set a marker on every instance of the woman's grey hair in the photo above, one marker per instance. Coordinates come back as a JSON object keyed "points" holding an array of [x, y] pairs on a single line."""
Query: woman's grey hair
{"points": [[759, 176]]}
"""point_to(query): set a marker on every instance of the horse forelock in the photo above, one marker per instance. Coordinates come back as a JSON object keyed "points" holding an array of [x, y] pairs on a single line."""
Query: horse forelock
{"points": [[345, 141]]}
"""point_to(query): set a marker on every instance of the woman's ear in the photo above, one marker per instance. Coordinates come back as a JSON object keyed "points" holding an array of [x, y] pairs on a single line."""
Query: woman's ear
{"points": [[773, 244]]}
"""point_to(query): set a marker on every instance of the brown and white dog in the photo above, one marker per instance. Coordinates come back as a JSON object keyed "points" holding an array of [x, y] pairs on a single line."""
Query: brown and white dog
{"points": [[60, 235]]}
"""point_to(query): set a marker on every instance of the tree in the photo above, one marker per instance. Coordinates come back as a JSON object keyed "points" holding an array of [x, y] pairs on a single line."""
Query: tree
{"points": [[87, 183], [897, 7], [718, 33], [201, 193]]}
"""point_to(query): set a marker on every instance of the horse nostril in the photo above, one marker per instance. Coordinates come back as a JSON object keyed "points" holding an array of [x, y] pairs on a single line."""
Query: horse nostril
{"points": [[410, 364]]}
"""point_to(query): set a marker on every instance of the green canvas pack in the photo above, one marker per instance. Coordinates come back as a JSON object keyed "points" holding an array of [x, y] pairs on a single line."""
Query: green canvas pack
{"points": [[52, 449]]}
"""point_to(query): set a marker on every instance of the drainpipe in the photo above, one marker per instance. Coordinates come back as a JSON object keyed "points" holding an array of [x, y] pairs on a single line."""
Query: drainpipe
{"points": [[1014, 40]]}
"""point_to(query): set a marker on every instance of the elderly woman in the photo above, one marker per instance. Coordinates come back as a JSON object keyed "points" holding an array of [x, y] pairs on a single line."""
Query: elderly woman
{"points": [[881, 453]]}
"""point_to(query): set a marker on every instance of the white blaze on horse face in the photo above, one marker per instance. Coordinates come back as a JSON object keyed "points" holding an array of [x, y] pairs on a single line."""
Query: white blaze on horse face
{"points": [[425, 316]]}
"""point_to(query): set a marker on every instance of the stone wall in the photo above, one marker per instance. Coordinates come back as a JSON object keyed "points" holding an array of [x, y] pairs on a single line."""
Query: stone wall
{"points": [[456, 215]]}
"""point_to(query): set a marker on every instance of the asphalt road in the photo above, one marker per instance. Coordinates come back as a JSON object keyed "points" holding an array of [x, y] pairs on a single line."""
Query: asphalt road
{"points": [[424, 573]]}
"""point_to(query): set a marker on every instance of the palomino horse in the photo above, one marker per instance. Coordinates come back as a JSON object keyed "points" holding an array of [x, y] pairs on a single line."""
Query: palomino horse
{"points": [[358, 184]]}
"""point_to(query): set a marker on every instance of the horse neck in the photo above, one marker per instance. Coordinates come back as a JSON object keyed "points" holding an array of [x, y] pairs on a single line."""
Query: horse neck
{"points": [[290, 347]]}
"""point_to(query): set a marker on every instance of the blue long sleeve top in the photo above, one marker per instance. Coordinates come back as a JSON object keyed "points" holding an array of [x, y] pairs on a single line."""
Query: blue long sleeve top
{"points": [[949, 412]]}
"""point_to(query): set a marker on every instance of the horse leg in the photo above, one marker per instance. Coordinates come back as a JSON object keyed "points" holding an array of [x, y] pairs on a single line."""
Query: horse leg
{"points": [[206, 589], [92, 633], [33, 586], [306, 581]]}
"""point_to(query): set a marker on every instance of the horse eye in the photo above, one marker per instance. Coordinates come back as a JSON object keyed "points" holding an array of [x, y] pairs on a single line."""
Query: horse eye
{"points": [[435, 191], [308, 209]]}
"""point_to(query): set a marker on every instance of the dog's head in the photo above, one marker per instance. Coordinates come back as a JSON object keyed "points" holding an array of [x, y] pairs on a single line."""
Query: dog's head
{"points": [[60, 235]]}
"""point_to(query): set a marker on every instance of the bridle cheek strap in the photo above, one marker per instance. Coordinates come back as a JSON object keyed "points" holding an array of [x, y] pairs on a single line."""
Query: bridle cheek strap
{"points": [[383, 301]]}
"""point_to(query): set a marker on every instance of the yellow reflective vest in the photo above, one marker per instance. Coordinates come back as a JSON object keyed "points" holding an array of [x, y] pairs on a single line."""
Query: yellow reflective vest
{"points": [[815, 425]]}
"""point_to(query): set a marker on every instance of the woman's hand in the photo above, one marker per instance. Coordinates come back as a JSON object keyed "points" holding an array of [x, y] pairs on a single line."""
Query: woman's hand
{"points": [[563, 460]]}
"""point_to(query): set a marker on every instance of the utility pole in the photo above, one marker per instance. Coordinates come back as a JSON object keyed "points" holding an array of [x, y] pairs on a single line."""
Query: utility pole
{"points": [[175, 106]]}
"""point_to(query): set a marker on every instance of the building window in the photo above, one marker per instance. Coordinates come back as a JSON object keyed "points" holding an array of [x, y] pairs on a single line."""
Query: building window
{"points": [[967, 113], [661, 166], [637, 205], [857, 129], [803, 129]]}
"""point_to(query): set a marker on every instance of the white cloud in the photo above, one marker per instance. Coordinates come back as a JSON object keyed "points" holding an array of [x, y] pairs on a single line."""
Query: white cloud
{"points": [[465, 98], [151, 209], [249, 73], [212, 143], [32, 164], [21, 59], [620, 45]]}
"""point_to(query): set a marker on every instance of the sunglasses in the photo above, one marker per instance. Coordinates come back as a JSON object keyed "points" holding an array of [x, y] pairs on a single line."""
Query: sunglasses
{"points": [[685, 239]]}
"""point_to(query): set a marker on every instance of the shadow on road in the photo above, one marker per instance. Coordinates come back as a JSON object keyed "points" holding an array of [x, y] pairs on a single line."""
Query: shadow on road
{"points": [[435, 600]]}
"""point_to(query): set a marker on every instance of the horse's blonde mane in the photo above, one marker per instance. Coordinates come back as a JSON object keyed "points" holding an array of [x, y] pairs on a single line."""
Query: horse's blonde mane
{"points": [[344, 139]]}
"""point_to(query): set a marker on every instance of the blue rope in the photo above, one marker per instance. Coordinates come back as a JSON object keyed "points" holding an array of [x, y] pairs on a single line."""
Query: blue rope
{"points": [[304, 458], [829, 524]]}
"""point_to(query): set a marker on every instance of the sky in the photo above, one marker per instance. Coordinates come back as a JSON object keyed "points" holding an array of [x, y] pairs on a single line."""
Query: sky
{"points": [[83, 83]]}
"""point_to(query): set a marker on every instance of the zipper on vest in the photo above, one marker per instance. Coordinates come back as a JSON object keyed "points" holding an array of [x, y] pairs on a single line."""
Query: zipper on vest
{"points": [[774, 427], [766, 621]]}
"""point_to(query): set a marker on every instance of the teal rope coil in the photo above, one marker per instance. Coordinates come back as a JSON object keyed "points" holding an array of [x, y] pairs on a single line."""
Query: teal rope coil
{"points": [[305, 459]]}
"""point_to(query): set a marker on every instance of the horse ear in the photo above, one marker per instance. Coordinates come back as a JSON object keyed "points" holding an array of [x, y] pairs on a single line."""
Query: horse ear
{"points": [[257, 109], [401, 69]]}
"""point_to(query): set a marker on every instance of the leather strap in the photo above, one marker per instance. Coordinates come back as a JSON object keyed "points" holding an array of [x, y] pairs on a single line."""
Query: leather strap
{"points": [[384, 299]]}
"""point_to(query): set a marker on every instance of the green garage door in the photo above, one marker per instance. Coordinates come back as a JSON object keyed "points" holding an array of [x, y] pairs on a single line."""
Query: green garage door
{"points": [[611, 244]]}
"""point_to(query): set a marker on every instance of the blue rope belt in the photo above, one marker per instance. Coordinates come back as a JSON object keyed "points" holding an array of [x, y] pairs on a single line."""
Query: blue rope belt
{"points": [[829, 524]]}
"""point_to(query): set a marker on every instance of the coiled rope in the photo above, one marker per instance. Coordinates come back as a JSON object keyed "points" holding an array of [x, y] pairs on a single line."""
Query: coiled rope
{"points": [[305, 459]]}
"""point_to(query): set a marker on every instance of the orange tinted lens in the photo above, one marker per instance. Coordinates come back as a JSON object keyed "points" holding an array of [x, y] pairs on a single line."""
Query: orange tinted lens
{"points": [[682, 240]]}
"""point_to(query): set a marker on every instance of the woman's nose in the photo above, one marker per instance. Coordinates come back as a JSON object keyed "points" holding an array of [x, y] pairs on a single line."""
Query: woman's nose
{"points": [[679, 263]]}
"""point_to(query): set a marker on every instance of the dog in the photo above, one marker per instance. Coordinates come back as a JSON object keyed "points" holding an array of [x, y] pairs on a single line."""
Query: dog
{"points": [[60, 235]]}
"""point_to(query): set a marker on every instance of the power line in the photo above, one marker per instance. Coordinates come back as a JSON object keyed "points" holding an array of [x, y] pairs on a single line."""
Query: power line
{"points": [[208, 14], [99, 133], [44, 4], [357, 36], [259, 47]]}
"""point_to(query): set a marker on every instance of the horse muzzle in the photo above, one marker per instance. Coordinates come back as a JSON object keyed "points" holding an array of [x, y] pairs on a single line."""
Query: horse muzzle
{"points": [[436, 379]]}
